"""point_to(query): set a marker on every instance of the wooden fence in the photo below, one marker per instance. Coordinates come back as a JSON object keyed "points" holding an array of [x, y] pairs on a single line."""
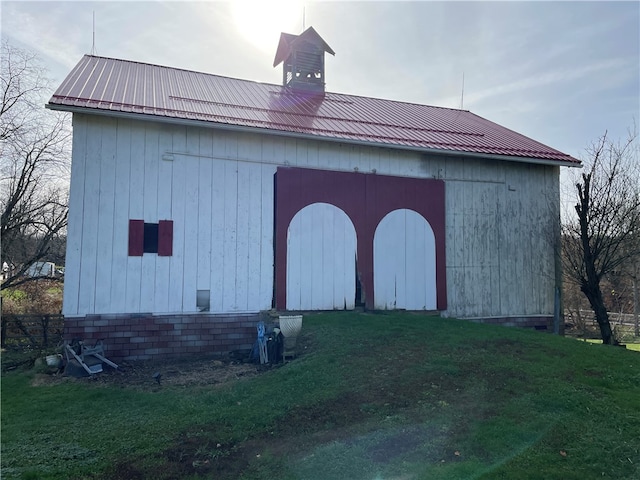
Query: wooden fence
{"points": [[31, 331], [614, 317]]}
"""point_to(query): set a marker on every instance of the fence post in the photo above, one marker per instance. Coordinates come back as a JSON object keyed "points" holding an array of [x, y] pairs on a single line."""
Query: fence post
{"points": [[21, 330], [25, 332]]}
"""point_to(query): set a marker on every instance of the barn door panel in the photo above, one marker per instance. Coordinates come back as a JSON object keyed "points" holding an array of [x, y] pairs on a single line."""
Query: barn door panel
{"points": [[321, 251], [404, 262]]}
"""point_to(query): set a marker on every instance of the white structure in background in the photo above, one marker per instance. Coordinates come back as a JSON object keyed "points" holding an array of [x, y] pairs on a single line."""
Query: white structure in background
{"points": [[42, 269], [6, 270]]}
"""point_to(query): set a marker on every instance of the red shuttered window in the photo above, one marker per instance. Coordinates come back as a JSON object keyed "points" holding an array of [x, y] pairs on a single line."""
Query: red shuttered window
{"points": [[165, 238], [150, 238], [136, 238]]}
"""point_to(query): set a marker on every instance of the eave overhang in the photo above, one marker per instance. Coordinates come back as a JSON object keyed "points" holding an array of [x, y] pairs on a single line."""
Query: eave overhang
{"points": [[306, 136]]}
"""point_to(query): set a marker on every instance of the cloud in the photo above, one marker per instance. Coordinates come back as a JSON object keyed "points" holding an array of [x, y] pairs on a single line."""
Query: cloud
{"points": [[560, 79], [43, 31]]}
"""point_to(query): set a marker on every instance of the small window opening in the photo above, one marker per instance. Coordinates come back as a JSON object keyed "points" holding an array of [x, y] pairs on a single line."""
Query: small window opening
{"points": [[150, 242], [202, 300], [151, 238]]}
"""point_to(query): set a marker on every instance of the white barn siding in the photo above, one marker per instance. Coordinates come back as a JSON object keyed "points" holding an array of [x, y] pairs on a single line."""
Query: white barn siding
{"points": [[186, 221], [404, 262], [222, 211], [165, 174], [106, 207], [89, 240], [150, 163], [73, 259], [120, 262], [178, 194], [500, 259], [218, 190], [135, 211], [321, 258]]}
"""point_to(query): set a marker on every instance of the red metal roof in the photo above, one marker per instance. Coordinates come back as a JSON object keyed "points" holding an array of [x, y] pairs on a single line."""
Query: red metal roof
{"points": [[121, 86]]}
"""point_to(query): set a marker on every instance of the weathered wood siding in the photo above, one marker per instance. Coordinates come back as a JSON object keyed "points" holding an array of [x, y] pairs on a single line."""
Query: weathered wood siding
{"points": [[404, 262], [501, 219], [217, 187]]}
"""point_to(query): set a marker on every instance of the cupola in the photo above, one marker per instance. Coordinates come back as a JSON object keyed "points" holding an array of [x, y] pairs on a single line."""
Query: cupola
{"points": [[302, 57]]}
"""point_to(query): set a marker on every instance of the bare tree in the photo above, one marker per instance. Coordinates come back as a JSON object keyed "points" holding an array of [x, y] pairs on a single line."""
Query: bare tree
{"points": [[34, 161], [603, 235]]}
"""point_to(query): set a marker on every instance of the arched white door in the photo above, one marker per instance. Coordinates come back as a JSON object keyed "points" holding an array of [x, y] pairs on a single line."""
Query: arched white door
{"points": [[321, 255], [404, 262]]}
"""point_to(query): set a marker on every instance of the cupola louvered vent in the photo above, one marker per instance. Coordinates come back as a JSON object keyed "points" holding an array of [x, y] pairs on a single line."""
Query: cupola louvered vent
{"points": [[303, 61]]}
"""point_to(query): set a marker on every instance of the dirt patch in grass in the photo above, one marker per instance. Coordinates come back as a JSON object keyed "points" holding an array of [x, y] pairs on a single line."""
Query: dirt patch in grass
{"points": [[199, 452], [329, 415], [153, 375], [187, 371]]}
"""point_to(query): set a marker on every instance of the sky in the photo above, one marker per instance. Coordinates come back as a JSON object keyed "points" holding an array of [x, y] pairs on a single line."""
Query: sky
{"points": [[561, 73]]}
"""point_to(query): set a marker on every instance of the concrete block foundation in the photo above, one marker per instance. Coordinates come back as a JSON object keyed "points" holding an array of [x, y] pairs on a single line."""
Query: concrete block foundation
{"points": [[148, 337]]}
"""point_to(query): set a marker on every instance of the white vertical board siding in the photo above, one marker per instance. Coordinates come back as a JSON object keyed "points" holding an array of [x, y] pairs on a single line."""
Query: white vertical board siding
{"points": [[254, 212], [217, 234], [234, 252], [150, 214], [321, 254], [90, 200], [121, 217], [203, 280], [165, 174], [218, 190], [500, 261], [191, 219], [404, 262], [73, 258], [229, 258], [178, 196], [243, 207], [106, 210], [222, 211], [135, 212]]}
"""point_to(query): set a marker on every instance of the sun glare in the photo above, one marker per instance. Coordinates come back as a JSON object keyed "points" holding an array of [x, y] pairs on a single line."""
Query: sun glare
{"points": [[261, 22]]}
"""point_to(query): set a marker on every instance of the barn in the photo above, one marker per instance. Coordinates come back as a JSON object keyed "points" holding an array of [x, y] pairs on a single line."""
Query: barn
{"points": [[199, 202]]}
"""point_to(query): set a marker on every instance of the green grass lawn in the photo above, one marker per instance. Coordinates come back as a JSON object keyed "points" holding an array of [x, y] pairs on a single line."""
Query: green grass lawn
{"points": [[393, 396], [629, 346]]}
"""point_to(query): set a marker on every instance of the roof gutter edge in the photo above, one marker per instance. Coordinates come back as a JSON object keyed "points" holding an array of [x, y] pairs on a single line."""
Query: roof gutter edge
{"points": [[306, 136]]}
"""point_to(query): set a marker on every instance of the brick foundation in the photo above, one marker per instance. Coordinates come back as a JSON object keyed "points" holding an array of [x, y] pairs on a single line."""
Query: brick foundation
{"points": [[146, 336]]}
